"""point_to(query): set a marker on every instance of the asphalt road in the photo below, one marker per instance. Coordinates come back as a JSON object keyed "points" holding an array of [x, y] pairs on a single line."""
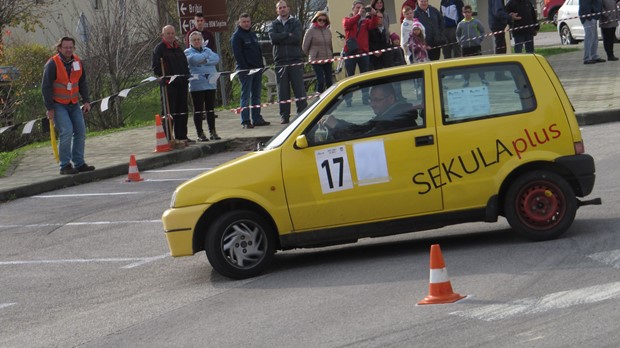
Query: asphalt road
{"points": [[89, 266]]}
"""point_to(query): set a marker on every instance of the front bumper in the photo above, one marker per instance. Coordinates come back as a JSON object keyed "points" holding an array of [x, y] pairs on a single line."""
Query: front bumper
{"points": [[179, 225]]}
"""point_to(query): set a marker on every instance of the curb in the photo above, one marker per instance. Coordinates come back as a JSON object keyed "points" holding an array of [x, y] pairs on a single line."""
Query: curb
{"points": [[156, 161], [598, 117]]}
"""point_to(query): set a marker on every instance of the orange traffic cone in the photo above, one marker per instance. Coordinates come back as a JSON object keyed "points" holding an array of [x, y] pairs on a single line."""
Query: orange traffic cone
{"points": [[133, 175], [162, 144], [440, 289]]}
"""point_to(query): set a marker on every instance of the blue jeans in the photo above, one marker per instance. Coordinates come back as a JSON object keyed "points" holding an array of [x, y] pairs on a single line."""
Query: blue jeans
{"points": [[323, 74], [251, 87], [523, 39], [69, 122], [364, 65], [590, 40]]}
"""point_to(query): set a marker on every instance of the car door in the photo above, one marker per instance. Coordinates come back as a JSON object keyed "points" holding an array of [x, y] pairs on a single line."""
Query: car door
{"points": [[367, 176]]}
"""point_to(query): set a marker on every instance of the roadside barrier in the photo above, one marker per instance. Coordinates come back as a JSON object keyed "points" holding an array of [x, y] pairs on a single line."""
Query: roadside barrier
{"points": [[440, 288], [104, 102]]}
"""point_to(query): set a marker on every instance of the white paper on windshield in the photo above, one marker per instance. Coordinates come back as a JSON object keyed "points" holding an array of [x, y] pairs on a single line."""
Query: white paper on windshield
{"points": [[333, 167], [466, 102], [370, 162]]}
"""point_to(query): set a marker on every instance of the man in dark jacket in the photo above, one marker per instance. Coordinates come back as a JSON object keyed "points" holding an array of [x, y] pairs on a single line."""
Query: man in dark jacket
{"points": [[286, 35], [452, 11], [433, 24], [590, 40], [169, 60], [249, 57], [498, 20], [378, 39], [526, 26]]}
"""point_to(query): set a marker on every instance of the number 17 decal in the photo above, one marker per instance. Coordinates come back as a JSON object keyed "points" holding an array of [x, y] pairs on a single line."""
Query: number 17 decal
{"points": [[333, 167]]}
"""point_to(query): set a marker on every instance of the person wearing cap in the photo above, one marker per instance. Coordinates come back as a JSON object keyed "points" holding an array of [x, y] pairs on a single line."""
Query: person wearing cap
{"points": [[317, 45], [286, 37], [398, 57], [356, 28], [405, 31]]}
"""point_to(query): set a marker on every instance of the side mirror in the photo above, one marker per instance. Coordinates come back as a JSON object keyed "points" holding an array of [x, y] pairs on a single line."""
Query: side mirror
{"points": [[301, 142]]}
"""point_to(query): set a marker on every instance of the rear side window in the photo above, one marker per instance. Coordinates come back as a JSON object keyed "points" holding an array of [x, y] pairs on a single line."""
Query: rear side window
{"points": [[478, 92]]}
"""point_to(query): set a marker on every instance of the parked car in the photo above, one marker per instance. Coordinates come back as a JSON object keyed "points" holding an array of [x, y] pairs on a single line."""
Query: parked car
{"points": [[441, 143], [570, 27], [550, 10]]}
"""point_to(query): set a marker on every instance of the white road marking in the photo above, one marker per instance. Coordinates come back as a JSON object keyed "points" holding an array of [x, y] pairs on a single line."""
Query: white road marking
{"points": [[145, 261], [88, 194], [177, 170], [86, 223], [557, 300], [4, 305], [135, 261], [611, 258]]}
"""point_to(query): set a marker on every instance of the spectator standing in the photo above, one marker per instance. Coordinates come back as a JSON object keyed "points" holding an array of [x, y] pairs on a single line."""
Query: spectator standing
{"points": [[169, 60], [64, 81], [398, 57], [317, 45], [417, 45], [379, 7], [410, 3], [200, 25], [526, 26], [379, 39], [592, 9], [498, 20], [286, 37], [356, 28], [452, 11], [202, 63], [433, 24], [470, 33], [249, 56], [405, 31], [608, 24]]}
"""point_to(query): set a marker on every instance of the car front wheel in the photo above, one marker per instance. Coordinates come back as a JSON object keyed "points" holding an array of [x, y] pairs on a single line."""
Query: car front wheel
{"points": [[566, 37], [240, 244], [540, 205]]}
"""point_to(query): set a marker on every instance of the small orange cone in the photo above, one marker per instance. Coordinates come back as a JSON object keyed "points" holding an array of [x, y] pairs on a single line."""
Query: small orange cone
{"points": [[440, 289], [133, 175], [162, 144]]}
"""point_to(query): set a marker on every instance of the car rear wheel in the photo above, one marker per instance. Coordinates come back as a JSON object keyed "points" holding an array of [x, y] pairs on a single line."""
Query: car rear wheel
{"points": [[565, 36], [540, 205], [240, 244]]}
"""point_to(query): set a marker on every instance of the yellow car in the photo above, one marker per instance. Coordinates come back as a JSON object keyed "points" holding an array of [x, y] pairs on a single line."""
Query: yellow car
{"points": [[395, 151]]}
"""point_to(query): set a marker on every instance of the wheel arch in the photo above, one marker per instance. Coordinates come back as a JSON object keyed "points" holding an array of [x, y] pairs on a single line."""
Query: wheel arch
{"points": [[532, 166], [209, 216]]}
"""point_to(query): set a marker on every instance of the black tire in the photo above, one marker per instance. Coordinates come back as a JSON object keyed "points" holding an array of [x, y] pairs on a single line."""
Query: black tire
{"points": [[565, 36], [540, 205], [240, 244]]}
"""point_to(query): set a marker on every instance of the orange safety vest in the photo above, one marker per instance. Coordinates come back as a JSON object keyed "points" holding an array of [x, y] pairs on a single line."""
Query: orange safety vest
{"points": [[61, 93]]}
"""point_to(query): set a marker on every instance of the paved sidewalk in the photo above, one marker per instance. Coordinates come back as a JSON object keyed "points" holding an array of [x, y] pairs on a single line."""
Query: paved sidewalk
{"points": [[594, 91]]}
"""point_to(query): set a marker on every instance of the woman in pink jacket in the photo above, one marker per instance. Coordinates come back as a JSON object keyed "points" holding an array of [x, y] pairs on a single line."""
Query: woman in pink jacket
{"points": [[317, 45]]}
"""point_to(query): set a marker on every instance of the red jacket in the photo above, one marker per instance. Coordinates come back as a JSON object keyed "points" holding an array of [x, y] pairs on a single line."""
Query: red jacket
{"points": [[351, 30]]}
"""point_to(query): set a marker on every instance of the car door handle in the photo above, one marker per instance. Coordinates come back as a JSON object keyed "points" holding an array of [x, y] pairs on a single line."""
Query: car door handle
{"points": [[424, 140]]}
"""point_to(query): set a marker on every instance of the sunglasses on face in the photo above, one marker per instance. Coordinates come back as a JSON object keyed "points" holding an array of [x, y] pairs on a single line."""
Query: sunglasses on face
{"points": [[322, 20]]}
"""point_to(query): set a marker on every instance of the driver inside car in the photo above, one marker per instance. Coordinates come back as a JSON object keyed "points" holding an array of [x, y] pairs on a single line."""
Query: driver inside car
{"points": [[390, 114]]}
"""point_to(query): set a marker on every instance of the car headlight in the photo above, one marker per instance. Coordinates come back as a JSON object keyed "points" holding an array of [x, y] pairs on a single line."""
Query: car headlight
{"points": [[173, 199]]}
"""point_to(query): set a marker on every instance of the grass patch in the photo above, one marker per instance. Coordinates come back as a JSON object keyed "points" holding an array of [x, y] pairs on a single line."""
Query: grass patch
{"points": [[550, 51], [547, 28], [6, 160]]}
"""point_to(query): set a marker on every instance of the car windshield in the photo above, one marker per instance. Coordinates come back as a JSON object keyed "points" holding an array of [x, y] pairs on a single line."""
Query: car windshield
{"points": [[279, 138]]}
